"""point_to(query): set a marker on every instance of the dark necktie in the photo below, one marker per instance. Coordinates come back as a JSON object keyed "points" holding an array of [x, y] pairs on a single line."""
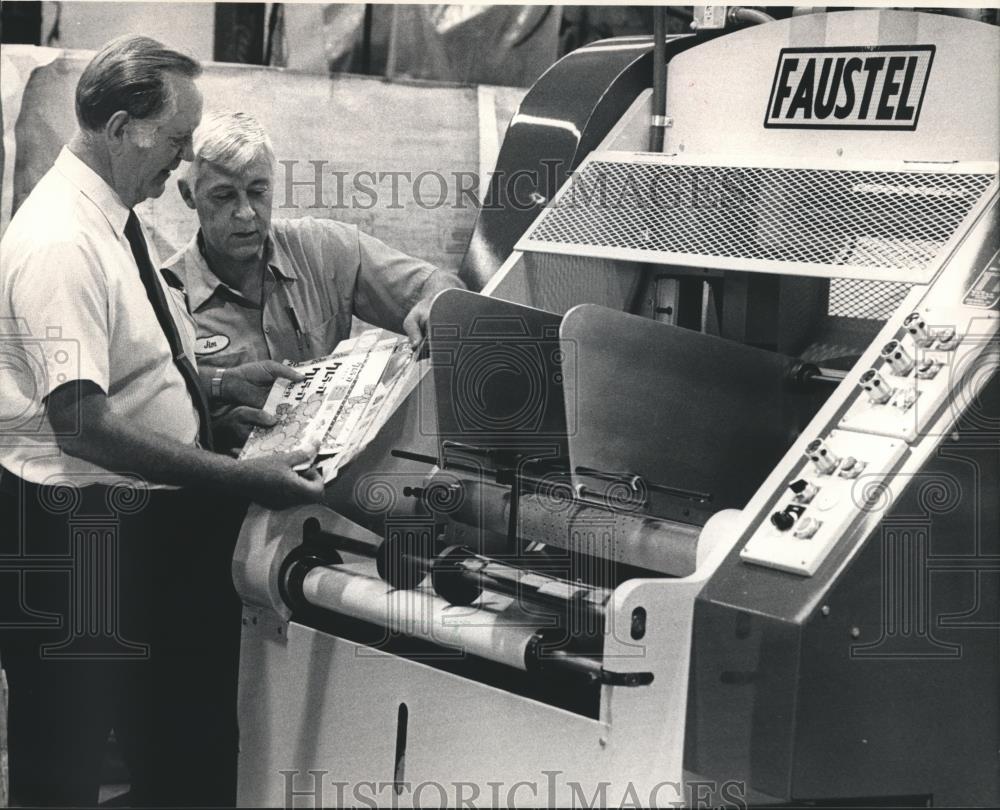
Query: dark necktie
{"points": [[154, 291]]}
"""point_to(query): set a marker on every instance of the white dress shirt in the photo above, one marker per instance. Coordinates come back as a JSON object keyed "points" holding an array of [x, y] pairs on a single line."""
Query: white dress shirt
{"points": [[73, 307]]}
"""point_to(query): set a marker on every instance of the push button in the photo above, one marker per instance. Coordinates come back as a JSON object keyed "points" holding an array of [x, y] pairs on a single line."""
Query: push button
{"points": [[898, 358], [917, 328], [824, 459], [782, 521], [879, 392], [807, 528]]}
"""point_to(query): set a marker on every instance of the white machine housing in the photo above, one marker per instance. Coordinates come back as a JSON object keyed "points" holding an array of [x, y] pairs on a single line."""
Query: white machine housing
{"points": [[329, 721]]}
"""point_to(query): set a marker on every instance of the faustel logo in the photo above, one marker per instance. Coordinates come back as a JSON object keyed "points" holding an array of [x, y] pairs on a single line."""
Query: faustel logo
{"points": [[879, 88]]}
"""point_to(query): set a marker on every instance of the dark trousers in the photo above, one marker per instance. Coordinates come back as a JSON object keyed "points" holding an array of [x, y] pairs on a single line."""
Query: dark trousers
{"points": [[117, 611]]}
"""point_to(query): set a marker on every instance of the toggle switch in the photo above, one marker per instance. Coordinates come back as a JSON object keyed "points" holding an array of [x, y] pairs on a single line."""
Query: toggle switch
{"points": [[850, 467], [927, 369], [898, 358], [879, 391], [917, 328], [804, 491], [906, 399], [947, 339], [822, 457]]}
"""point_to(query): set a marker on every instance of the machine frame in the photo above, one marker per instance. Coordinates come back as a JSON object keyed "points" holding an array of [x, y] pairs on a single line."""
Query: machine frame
{"points": [[742, 650]]}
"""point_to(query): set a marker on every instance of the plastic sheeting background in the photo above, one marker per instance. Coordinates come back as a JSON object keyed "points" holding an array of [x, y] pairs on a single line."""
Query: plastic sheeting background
{"points": [[357, 131], [508, 45]]}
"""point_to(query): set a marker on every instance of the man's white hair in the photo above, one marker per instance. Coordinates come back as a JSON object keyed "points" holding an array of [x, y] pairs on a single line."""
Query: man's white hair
{"points": [[232, 140]]}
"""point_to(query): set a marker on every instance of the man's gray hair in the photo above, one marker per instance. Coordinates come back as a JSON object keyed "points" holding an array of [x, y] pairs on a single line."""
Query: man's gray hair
{"points": [[232, 140], [128, 74]]}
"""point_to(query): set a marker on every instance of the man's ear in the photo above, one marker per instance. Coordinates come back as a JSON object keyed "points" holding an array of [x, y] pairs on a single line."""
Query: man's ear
{"points": [[114, 131], [187, 193]]}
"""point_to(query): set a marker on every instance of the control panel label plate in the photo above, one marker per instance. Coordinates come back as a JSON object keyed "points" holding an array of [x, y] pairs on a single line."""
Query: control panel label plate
{"points": [[985, 290]]}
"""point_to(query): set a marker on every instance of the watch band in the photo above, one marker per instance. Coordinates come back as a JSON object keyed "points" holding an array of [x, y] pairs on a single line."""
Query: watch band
{"points": [[216, 386]]}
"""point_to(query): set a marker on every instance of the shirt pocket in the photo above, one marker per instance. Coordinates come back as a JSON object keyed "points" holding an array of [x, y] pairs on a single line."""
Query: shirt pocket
{"points": [[323, 337]]}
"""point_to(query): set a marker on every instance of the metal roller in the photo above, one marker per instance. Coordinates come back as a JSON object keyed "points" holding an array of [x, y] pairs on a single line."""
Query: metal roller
{"points": [[558, 518], [510, 633], [458, 574]]}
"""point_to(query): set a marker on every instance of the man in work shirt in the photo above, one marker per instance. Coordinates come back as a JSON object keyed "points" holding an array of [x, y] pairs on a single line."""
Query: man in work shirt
{"points": [[286, 289]]}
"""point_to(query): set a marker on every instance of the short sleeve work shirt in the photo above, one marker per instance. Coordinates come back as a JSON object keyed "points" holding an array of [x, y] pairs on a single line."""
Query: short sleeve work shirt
{"points": [[319, 273]]}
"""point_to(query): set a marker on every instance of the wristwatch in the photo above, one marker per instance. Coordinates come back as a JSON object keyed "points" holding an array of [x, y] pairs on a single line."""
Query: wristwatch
{"points": [[216, 386]]}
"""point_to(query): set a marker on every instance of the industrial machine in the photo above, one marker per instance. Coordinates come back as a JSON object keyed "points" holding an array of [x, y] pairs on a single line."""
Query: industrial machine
{"points": [[695, 501]]}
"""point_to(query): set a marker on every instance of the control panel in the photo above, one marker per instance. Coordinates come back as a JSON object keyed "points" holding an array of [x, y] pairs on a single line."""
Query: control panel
{"points": [[842, 476], [849, 472], [917, 372]]}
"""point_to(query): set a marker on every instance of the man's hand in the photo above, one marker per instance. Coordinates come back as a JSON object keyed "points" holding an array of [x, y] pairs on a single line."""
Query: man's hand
{"points": [[87, 428], [415, 323], [250, 383], [232, 429], [273, 483]]}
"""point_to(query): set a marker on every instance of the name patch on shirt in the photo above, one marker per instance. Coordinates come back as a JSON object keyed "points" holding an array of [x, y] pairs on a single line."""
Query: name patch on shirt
{"points": [[849, 88], [210, 344]]}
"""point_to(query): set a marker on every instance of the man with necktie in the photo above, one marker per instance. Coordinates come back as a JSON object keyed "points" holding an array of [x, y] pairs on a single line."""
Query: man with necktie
{"points": [[145, 625]]}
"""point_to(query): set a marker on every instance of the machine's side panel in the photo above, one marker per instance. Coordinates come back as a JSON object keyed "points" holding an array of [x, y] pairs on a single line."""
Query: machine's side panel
{"points": [[417, 736], [866, 668], [545, 141], [887, 687], [914, 633]]}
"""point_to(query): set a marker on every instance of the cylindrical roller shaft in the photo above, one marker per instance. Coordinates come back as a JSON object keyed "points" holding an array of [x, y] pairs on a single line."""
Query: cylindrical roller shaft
{"points": [[460, 576], [488, 634], [556, 518]]}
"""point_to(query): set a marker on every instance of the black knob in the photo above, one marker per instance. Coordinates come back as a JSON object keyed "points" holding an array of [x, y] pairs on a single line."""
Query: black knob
{"points": [[782, 521]]}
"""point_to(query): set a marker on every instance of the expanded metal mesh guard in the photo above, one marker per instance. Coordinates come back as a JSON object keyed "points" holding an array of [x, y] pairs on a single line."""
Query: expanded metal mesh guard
{"points": [[860, 223], [856, 298]]}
